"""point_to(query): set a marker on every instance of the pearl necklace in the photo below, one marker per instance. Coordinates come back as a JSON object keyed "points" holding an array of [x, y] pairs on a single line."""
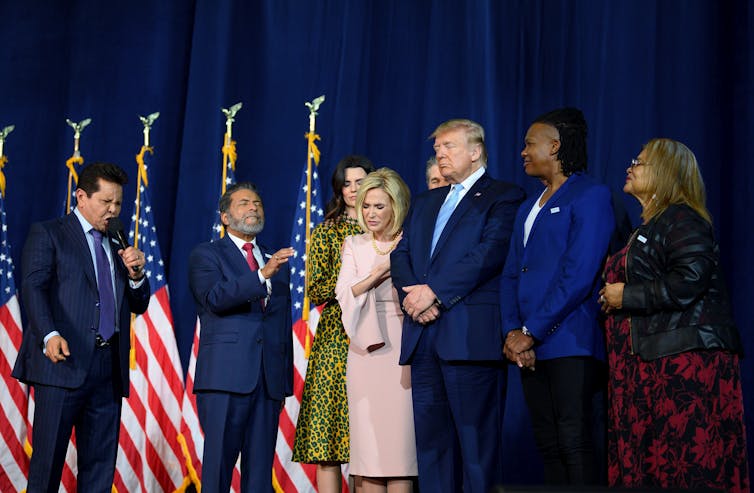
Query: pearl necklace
{"points": [[392, 246]]}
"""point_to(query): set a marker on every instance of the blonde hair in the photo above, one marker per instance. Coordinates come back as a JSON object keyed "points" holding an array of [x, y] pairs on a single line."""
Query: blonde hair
{"points": [[393, 185], [474, 134], [674, 178]]}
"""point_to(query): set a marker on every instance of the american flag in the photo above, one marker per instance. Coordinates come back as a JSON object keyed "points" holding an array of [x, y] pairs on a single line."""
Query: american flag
{"points": [[192, 437], [14, 461], [292, 476], [150, 457]]}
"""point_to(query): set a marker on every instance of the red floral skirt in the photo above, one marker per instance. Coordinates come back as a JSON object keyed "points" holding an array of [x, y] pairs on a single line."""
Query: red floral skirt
{"points": [[674, 422]]}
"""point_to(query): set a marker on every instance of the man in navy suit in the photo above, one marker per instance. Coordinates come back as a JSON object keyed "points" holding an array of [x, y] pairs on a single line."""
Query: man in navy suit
{"points": [[78, 291], [447, 269], [244, 369]]}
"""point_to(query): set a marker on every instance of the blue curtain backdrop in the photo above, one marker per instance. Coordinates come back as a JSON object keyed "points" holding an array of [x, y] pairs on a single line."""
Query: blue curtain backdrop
{"points": [[391, 71]]}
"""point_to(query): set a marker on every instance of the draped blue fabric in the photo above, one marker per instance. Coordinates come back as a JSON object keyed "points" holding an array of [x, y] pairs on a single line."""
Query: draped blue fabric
{"points": [[391, 71]]}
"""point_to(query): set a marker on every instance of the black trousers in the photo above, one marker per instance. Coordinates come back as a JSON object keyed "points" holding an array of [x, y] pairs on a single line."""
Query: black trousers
{"points": [[559, 395]]}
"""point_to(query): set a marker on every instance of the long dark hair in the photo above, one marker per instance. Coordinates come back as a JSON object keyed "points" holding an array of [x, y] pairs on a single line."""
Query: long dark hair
{"points": [[336, 206]]}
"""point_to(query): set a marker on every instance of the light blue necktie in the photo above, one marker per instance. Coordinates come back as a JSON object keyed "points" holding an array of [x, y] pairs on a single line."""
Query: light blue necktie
{"points": [[445, 212]]}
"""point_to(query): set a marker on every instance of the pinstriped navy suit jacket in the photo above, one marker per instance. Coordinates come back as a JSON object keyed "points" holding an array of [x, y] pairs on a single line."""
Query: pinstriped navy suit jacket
{"points": [[59, 292]]}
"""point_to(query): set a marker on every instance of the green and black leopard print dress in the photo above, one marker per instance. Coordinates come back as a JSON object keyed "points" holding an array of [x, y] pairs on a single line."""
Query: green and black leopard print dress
{"points": [[322, 427]]}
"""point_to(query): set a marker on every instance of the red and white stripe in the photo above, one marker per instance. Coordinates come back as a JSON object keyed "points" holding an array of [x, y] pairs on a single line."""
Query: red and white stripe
{"points": [[17, 412], [292, 476], [14, 462], [150, 457], [192, 437], [70, 467]]}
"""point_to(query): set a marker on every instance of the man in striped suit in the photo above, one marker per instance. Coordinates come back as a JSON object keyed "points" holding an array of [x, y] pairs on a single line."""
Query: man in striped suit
{"points": [[78, 290]]}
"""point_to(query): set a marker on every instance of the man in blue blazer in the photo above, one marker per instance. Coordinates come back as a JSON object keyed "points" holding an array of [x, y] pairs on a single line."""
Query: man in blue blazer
{"points": [[446, 269], [78, 291], [549, 294], [244, 369]]}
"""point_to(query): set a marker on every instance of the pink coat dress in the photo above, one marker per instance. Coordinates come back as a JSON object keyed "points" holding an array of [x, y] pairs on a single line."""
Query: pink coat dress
{"points": [[379, 390]]}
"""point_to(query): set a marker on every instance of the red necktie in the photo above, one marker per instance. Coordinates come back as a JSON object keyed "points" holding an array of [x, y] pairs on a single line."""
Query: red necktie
{"points": [[253, 265], [249, 249]]}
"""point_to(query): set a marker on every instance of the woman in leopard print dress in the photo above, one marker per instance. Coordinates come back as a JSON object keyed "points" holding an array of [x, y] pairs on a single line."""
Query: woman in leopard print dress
{"points": [[322, 427]]}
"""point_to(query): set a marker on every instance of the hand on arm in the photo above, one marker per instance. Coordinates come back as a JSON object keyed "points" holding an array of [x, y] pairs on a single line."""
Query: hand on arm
{"points": [[429, 315], [379, 273], [518, 349], [419, 299]]}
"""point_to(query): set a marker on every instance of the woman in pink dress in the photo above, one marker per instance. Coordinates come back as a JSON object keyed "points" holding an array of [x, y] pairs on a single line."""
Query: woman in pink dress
{"points": [[383, 451]]}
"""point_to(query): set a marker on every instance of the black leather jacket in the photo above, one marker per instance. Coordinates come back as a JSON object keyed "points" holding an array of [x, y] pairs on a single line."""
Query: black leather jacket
{"points": [[675, 292]]}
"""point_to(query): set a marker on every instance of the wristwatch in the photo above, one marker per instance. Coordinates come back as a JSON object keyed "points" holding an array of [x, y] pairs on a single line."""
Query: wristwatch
{"points": [[526, 332]]}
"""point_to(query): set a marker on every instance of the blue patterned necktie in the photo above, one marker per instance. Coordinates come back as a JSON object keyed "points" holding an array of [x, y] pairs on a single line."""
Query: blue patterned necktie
{"points": [[445, 212], [105, 288]]}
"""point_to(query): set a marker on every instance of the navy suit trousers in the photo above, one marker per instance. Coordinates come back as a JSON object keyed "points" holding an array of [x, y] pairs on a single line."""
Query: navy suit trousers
{"points": [[94, 410], [458, 416], [238, 423]]}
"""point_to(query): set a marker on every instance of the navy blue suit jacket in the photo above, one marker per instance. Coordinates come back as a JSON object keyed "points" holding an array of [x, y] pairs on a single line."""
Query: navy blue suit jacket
{"points": [[236, 334], [551, 285], [464, 270], [59, 292]]}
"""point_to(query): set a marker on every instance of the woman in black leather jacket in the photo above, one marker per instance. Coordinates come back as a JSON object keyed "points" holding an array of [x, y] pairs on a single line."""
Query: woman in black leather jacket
{"points": [[675, 417]]}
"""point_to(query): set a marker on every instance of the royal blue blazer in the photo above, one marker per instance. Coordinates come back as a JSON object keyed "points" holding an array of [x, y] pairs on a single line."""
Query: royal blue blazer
{"points": [[551, 285]]}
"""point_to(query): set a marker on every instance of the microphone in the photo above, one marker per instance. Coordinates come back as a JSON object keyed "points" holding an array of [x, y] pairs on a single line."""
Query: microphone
{"points": [[115, 230]]}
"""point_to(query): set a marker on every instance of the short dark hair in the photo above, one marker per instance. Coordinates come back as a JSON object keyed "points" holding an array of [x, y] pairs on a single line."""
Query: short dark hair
{"points": [[225, 200], [336, 206], [571, 125], [90, 176]]}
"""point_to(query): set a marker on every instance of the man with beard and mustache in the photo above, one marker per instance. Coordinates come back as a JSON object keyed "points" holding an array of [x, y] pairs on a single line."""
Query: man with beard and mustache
{"points": [[244, 369]]}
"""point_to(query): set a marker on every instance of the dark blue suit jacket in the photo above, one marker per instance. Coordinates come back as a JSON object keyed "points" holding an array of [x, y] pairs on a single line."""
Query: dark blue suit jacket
{"points": [[464, 270], [236, 334], [551, 285], [59, 292]]}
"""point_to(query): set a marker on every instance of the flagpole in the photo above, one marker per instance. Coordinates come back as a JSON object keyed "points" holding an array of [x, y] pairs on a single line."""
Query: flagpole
{"points": [[141, 176], [73, 177], [312, 153], [3, 160], [229, 147], [141, 173]]}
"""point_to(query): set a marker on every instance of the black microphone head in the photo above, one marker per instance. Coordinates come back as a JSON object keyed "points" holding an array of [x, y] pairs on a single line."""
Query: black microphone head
{"points": [[116, 231], [114, 225]]}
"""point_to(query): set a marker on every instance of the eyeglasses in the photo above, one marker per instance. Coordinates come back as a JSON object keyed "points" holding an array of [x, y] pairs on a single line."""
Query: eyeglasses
{"points": [[635, 163]]}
